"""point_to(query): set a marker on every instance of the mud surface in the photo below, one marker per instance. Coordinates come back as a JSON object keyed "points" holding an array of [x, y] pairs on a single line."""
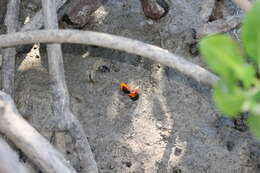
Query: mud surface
{"points": [[172, 128]]}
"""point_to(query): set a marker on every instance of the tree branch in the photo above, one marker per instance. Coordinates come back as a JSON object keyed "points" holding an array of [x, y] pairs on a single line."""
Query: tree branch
{"points": [[114, 42], [218, 26], [61, 96], [9, 162], [37, 21], [8, 66], [25, 137]]}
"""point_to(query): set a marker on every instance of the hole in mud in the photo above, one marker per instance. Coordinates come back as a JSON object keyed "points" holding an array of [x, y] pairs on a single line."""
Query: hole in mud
{"points": [[176, 170], [230, 145], [67, 20], [79, 100], [127, 163], [164, 5], [258, 166], [240, 124], [193, 49], [177, 151], [104, 69]]}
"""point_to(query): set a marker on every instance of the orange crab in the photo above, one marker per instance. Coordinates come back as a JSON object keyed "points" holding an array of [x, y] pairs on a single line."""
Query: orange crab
{"points": [[132, 94], [125, 88]]}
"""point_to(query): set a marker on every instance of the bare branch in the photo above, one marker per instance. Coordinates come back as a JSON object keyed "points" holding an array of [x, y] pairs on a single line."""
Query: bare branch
{"points": [[243, 4], [25, 137], [114, 42], [61, 96], [9, 162], [8, 70], [218, 26], [8, 66], [12, 14], [37, 21]]}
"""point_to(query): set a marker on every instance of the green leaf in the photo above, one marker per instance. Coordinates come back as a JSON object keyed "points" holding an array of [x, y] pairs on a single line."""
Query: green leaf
{"points": [[252, 99], [228, 101], [246, 74], [250, 33], [221, 54], [256, 97], [224, 57], [253, 123]]}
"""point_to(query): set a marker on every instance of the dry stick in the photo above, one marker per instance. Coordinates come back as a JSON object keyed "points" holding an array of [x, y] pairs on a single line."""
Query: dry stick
{"points": [[8, 66], [37, 21], [25, 137], [114, 42], [221, 25], [61, 95], [9, 161], [1, 56], [243, 4], [218, 26]]}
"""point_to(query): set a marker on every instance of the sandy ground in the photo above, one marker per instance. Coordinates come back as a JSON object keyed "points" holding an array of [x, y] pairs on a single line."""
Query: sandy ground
{"points": [[172, 128]]}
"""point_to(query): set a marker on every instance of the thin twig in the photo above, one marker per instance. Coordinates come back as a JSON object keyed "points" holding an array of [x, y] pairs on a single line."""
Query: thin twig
{"points": [[9, 162], [61, 106], [243, 4], [114, 42], [36, 23], [221, 25], [218, 26], [8, 66], [37, 20], [26, 138]]}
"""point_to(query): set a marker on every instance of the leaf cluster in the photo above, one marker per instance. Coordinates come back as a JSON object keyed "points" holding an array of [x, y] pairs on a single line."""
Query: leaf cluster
{"points": [[238, 66]]}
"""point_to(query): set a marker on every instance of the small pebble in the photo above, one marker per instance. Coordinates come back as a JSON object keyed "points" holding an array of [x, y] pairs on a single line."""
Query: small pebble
{"points": [[159, 125], [153, 9], [86, 54]]}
